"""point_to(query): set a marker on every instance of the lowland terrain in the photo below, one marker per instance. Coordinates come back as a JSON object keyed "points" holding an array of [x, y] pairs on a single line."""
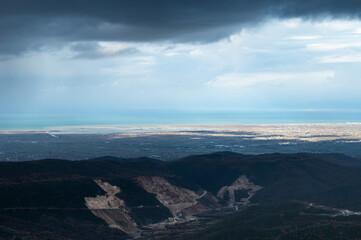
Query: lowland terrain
{"points": [[223, 195], [173, 142]]}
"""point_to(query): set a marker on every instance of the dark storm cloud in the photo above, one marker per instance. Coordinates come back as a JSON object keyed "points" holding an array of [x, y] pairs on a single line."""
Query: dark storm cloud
{"points": [[30, 25]]}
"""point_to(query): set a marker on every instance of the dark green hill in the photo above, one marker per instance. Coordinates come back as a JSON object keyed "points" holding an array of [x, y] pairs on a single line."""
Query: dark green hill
{"points": [[287, 221], [283, 176], [45, 199]]}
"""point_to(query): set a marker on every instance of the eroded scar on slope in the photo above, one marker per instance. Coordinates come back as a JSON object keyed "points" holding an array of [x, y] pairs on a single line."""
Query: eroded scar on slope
{"points": [[180, 201], [240, 191], [111, 209]]}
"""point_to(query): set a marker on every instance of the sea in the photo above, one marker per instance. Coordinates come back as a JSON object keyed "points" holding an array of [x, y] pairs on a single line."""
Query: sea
{"points": [[39, 120]]}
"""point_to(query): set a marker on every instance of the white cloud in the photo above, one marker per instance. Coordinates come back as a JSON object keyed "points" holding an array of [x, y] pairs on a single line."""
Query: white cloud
{"points": [[335, 25], [327, 46], [135, 66], [171, 54], [310, 37], [195, 53], [265, 79], [358, 31], [112, 47], [341, 59], [100, 50], [293, 23]]}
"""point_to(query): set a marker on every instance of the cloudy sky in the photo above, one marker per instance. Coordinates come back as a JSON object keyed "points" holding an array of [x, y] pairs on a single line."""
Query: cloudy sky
{"points": [[180, 55]]}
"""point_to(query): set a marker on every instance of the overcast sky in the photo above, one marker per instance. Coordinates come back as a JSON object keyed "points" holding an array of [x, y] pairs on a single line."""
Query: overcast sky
{"points": [[186, 55]]}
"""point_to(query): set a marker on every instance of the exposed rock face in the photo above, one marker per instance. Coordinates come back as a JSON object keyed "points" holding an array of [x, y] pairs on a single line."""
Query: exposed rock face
{"points": [[108, 201], [240, 192], [112, 209], [183, 203], [180, 201]]}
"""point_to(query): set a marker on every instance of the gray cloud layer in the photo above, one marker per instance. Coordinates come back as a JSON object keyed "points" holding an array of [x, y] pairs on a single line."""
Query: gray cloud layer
{"points": [[30, 25]]}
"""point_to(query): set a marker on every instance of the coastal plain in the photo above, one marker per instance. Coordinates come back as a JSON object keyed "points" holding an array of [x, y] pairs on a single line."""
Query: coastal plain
{"points": [[173, 142]]}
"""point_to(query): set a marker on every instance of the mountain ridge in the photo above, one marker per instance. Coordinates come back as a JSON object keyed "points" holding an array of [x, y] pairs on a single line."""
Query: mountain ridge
{"points": [[144, 195]]}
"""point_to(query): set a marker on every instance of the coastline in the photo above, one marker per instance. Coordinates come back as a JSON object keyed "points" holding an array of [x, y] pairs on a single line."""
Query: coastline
{"points": [[306, 131]]}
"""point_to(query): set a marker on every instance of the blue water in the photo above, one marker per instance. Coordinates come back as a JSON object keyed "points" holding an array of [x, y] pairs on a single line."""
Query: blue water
{"points": [[37, 120]]}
